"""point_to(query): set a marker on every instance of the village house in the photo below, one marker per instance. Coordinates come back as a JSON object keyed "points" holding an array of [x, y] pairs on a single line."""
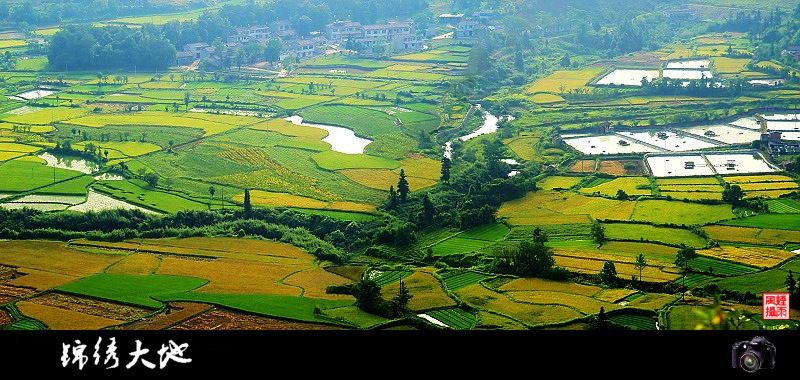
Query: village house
{"points": [[340, 31], [468, 29], [304, 48], [394, 35], [249, 33], [281, 29], [184, 58], [450, 18], [484, 14], [681, 14], [403, 42], [193, 52], [793, 51]]}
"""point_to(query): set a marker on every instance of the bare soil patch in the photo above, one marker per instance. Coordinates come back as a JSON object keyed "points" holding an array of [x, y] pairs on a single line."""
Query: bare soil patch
{"points": [[5, 318], [221, 319], [7, 273], [622, 167], [583, 166], [91, 306], [15, 292], [175, 313]]}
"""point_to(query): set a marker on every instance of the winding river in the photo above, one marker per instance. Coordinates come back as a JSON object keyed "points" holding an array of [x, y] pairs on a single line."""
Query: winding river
{"points": [[341, 139]]}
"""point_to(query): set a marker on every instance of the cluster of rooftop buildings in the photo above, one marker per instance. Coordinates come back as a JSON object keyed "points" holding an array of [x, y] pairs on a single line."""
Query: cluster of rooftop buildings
{"points": [[394, 36], [473, 26]]}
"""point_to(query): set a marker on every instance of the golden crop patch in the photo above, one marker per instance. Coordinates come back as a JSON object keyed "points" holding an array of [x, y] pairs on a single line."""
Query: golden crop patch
{"points": [[544, 203], [57, 318], [531, 314], [552, 219], [531, 284], [41, 280], [613, 295], [425, 289], [138, 264], [558, 182], [234, 276], [53, 257], [740, 179], [756, 256], [751, 235], [352, 272], [630, 185], [524, 146], [584, 304], [314, 282], [382, 179]]}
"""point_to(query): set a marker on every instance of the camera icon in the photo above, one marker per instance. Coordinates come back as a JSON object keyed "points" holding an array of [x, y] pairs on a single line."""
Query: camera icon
{"points": [[753, 355]]}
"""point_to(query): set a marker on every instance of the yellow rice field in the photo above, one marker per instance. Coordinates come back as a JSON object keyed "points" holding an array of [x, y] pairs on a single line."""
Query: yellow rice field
{"points": [[407, 67], [547, 220], [538, 284], [259, 197], [53, 257], [653, 301], [757, 178], [268, 198], [16, 147], [125, 148], [662, 211], [531, 314], [692, 188], [41, 280], [211, 124], [661, 182], [47, 116], [630, 185], [382, 179], [425, 289], [565, 80], [545, 98], [524, 145], [218, 247], [558, 182], [773, 185], [725, 65], [584, 304], [544, 203], [232, 276], [494, 321], [314, 282], [138, 264], [692, 195], [751, 235], [613, 295], [757, 256], [352, 272], [768, 193], [57, 318], [33, 128], [624, 270], [5, 156], [278, 180], [419, 166]]}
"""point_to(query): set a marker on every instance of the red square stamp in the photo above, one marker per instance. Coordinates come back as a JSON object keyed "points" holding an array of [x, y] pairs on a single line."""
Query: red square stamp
{"points": [[775, 305]]}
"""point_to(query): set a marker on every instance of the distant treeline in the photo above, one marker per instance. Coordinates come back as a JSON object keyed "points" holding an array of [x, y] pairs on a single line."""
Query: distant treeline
{"points": [[53, 12], [83, 47], [310, 15], [306, 231]]}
